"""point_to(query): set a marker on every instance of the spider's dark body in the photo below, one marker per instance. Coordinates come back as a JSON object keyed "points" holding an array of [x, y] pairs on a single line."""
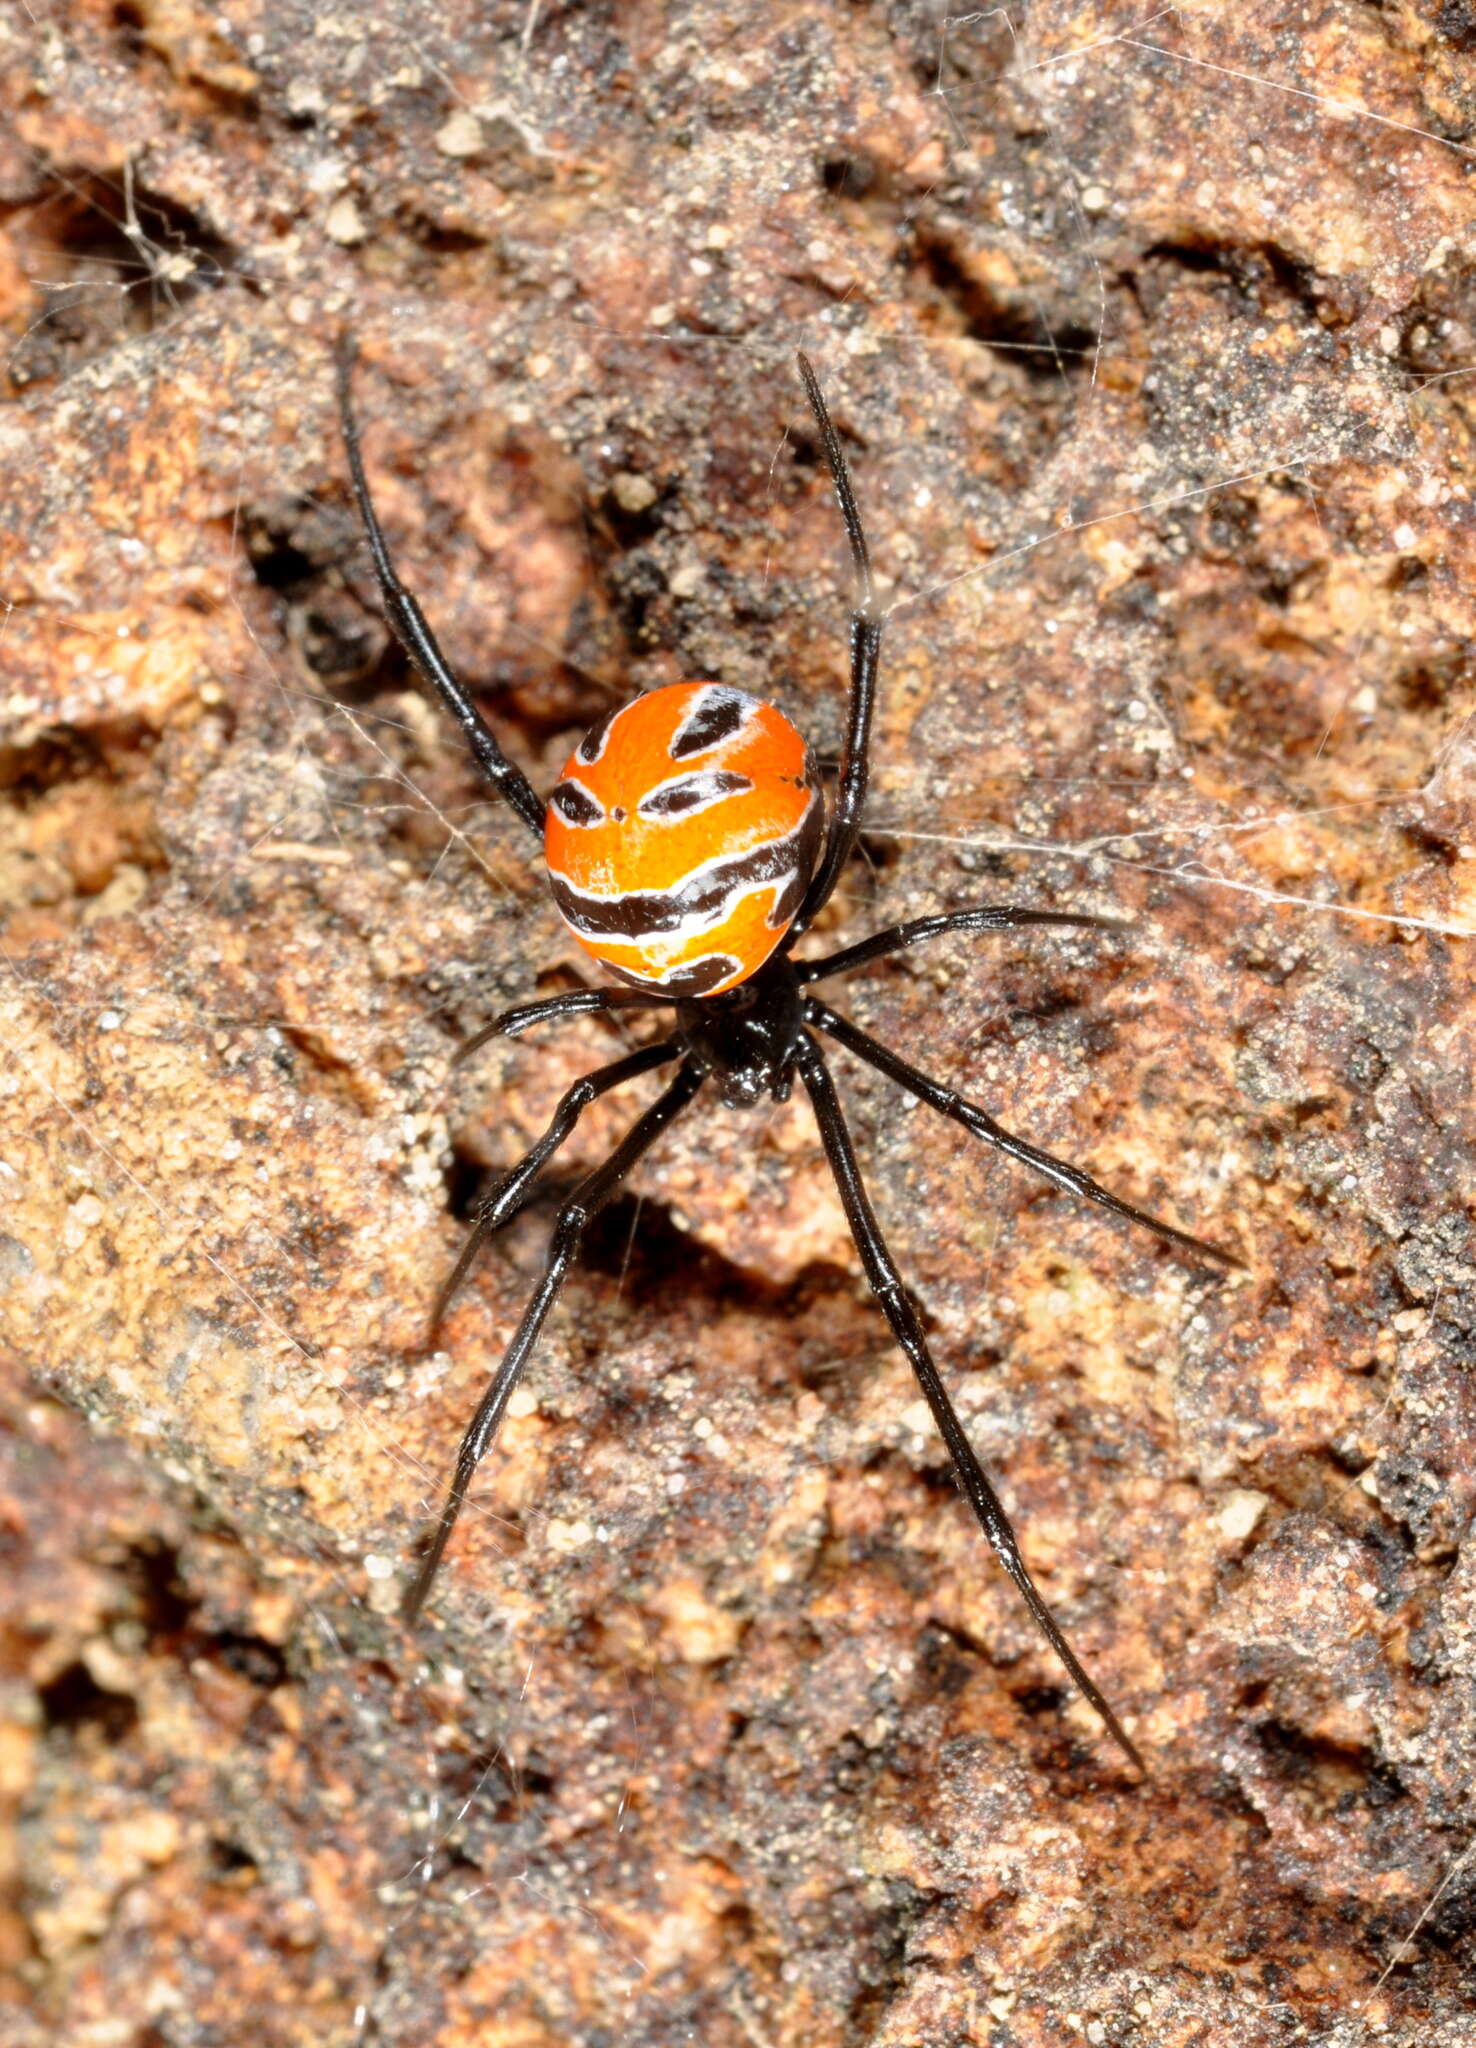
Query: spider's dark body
{"points": [[747, 1040], [688, 851]]}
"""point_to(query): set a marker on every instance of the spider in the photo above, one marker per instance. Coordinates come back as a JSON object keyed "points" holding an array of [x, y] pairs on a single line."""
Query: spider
{"points": [[688, 848]]}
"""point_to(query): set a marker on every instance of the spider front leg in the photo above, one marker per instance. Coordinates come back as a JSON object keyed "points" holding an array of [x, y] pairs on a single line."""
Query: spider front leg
{"points": [[886, 1284], [591, 1195]]}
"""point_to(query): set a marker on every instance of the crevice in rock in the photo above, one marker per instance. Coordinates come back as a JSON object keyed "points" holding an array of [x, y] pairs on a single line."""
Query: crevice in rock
{"points": [[112, 264], [1046, 353]]}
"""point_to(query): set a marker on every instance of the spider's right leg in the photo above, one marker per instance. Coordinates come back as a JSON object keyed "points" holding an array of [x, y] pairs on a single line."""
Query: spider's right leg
{"points": [[591, 1195], [886, 1285], [866, 633], [948, 1102], [409, 626], [985, 917]]}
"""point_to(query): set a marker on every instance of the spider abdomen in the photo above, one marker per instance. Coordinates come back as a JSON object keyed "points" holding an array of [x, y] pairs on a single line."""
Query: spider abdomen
{"points": [[681, 836]]}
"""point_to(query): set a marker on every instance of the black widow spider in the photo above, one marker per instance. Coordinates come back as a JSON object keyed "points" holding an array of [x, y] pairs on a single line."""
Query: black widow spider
{"points": [[750, 1039]]}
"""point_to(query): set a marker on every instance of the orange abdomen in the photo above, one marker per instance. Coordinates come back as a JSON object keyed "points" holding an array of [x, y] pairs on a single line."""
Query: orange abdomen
{"points": [[681, 837]]}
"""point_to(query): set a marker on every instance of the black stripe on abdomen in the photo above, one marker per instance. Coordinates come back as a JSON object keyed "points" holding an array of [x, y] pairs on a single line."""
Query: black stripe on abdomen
{"points": [[648, 913]]}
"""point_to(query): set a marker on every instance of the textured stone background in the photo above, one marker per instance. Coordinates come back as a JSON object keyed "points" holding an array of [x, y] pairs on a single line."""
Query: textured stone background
{"points": [[725, 1729]]}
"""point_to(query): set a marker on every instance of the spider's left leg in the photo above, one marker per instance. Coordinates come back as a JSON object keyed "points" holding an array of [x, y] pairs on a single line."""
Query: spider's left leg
{"points": [[412, 629], [886, 1284], [575, 1002], [961, 1111], [515, 1188], [588, 1198], [866, 632], [985, 917]]}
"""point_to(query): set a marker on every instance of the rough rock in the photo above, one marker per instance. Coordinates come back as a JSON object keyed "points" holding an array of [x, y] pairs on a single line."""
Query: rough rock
{"points": [[1152, 339]]}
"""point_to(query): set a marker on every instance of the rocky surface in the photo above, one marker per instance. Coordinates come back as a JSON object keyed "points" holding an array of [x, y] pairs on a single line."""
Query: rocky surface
{"points": [[1154, 347]]}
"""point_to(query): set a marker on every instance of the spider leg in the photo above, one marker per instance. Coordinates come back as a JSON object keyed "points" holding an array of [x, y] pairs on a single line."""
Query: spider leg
{"points": [[950, 1104], [886, 1284], [588, 1198], [576, 1002], [409, 625], [516, 1186], [866, 632], [988, 917]]}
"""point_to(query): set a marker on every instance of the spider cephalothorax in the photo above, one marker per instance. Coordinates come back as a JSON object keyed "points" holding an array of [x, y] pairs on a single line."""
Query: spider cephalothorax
{"points": [[748, 1040], [688, 849]]}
